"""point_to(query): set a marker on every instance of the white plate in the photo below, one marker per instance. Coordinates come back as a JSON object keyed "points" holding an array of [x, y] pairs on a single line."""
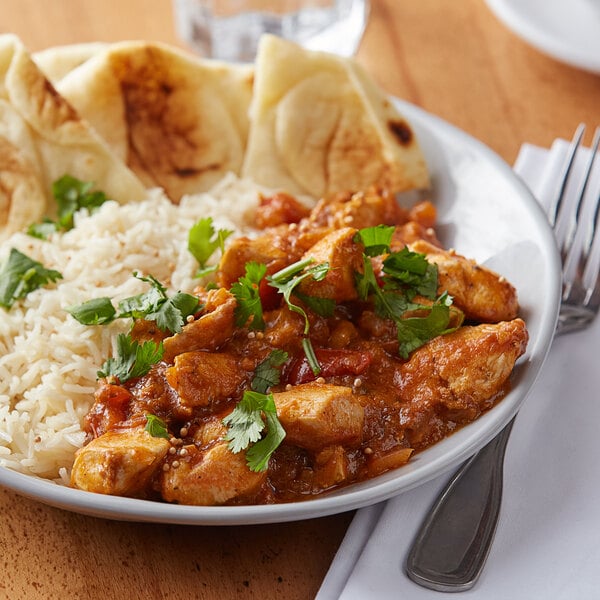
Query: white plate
{"points": [[568, 30], [486, 213]]}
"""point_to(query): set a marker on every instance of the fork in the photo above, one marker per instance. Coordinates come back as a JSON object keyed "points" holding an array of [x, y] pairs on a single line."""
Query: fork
{"points": [[451, 547]]}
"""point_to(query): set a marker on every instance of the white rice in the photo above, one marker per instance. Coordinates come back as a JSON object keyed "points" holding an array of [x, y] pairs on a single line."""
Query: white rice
{"points": [[48, 361]]}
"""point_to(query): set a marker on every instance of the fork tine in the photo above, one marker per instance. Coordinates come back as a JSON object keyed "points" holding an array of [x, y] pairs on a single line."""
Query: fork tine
{"points": [[555, 208], [581, 253], [576, 211]]}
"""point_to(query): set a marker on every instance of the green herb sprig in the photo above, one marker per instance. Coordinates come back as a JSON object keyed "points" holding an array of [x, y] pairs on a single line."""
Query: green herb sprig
{"points": [[248, 310], [255, 412], [203, 240], [406, 274], [286, 281], [71, 195], [131, 359], [20, 275], [156, 427], [169, 313]]}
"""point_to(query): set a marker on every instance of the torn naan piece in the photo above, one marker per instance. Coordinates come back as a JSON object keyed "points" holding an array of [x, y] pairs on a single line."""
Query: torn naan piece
{"points": [[57, 61], [43, 138], [319, 125], [178, 121]]}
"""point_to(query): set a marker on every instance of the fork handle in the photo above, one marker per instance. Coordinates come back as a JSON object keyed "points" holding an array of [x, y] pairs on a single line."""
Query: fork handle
{"points": [[452, 545]]}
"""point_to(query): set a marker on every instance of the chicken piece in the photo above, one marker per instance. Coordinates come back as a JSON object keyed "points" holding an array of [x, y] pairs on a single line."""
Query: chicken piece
{"points": [[210, 430], [283, 328], [316, 415], [120, 463], [330, 468], [411, 232], [209, 478], [272, 249], [454, 377], [362, 209], [110, 408], [147, 331], [424, 213], [278, 209], [205, 378], [211, 330], [480, 293], [386, 461], [345, 259]]}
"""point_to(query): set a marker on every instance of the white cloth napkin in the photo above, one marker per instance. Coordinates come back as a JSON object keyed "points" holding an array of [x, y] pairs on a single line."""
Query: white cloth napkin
{"points": [[547, 544]]}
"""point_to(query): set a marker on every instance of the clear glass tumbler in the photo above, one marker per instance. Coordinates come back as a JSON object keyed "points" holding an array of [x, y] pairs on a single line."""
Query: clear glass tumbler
{"points": [[230, 30]]}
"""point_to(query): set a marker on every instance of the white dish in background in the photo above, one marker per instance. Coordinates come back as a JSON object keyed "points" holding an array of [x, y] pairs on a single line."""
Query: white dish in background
{"points": [[486, 213], [568, 30]]}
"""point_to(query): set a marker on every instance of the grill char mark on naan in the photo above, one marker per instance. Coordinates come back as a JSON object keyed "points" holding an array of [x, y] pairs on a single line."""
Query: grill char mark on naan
{"points": [[179, 122], [326, 127]]}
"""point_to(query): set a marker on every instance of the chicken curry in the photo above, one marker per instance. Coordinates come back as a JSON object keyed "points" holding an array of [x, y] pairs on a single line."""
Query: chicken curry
{"points": [[329, 348]]}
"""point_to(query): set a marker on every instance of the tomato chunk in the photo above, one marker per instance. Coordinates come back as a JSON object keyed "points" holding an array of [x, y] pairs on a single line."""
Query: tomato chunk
{"points": [[333, 363]]}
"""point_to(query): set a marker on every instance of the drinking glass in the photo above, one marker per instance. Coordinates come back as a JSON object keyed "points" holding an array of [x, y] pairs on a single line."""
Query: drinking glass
{"points": [[230, 30]]}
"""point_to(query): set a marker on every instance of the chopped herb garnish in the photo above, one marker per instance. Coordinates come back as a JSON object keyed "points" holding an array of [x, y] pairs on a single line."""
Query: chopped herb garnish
{"points": [[246, 425], [42, 230], [153, 305], [405, 274], [156, 427], [376, 240], [203, 240], [267, 373], [20, 275], [132, 359], [413, 332], [246, 291], [98, 311], [71, 195], [285, 281]]}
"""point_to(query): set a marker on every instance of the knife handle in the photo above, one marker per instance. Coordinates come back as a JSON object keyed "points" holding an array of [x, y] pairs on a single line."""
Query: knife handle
{"points": [[451, 547]]}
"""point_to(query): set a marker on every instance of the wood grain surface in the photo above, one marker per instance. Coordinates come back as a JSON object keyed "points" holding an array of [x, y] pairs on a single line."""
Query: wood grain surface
{"points": [[454, 59]]}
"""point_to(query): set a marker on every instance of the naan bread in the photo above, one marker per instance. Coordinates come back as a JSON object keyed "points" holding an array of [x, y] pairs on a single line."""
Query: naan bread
{"points": [[57, 61], [319, 125], [42, 138], [179, 122]]}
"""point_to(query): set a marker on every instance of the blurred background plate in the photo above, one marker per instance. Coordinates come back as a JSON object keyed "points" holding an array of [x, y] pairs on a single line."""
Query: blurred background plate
{"points": [[568, 30]]}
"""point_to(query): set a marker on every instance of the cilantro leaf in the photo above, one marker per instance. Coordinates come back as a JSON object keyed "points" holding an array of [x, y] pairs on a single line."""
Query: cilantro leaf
{"points": [[286, 281], [246, 291], [98, 311], [132, 359], [376, 239], [413, 332], [156, 427], [203, 240], [71, 195], [245, 427], [20, 275], [42, 230], [141, 305], [258, 455], [266, 374], [153, 305], [325, 307], [245, 422], [405, 274], [412, 271]]}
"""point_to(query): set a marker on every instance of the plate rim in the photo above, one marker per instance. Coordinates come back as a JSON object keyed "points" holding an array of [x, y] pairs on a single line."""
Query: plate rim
{"points": [[138, 510]]}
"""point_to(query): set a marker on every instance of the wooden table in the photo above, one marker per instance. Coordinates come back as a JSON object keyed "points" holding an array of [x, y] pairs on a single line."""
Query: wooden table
{"points": [[455, 60]]}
